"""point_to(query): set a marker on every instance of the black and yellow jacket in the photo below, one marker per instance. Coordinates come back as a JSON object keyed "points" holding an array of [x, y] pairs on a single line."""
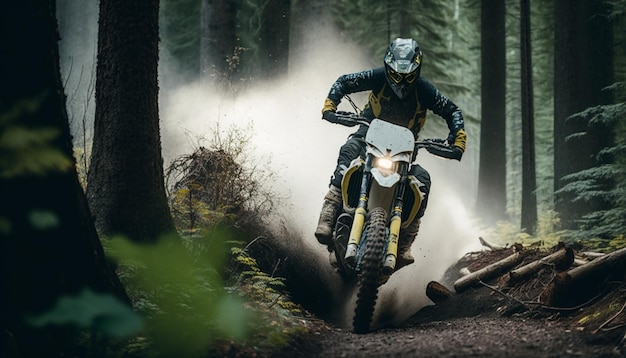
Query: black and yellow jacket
{"points": [[384, 104]]}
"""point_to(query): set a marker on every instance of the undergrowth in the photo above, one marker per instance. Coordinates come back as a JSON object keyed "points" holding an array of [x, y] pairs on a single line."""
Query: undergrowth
{"points": [[204, 296], [549, 235]]}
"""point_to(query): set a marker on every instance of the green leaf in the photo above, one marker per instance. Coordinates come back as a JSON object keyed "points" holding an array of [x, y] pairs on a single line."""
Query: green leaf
{"points": [[99, 312], [43, 219], [232, 317], [5, 226]]}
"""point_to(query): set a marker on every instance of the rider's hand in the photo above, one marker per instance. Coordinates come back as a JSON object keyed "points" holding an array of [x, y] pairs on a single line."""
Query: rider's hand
{"points": [[457, 152], [330, 116]]}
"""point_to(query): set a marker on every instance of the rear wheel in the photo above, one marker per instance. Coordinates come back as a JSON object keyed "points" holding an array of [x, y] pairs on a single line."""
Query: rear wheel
{"points": [[370, 270]]}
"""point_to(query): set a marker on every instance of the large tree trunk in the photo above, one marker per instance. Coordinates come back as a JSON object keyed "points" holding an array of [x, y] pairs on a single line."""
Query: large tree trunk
{"points": [[491, 200], [49, 246], [583, 66], [126, 190], [529, 180]]}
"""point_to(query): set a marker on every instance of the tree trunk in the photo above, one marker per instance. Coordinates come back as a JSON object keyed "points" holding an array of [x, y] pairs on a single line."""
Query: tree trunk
{"points": [[218, 41], [529, 180], [274, 39], [49, 246], [583, 66], [126, 190], [491, 200]]}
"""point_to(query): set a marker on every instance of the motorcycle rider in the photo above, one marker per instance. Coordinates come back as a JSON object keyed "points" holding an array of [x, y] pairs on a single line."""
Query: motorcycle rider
{"points": [[401, 96]]}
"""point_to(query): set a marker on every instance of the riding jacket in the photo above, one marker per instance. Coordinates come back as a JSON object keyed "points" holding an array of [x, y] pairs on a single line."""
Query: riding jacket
{"points": [[409, 112]]}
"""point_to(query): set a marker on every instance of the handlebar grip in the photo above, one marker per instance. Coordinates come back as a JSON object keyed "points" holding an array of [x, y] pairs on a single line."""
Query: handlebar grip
{"points": [[346, 122], [349, 119], [445, 152]]}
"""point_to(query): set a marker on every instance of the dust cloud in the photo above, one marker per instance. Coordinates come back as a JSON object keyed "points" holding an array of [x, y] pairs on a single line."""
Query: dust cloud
{"points": [[291, 139], [287, 126]]}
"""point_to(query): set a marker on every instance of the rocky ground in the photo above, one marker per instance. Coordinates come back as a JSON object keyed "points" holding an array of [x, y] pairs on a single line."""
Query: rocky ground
{"points": [[485, 322]]}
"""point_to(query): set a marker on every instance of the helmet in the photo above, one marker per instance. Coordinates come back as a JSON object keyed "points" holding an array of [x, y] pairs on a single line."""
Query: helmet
{"points": [[403, 63]]}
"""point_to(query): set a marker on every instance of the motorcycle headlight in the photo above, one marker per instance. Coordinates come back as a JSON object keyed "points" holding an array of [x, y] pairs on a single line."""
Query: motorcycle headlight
{"points": [[386, 166]]}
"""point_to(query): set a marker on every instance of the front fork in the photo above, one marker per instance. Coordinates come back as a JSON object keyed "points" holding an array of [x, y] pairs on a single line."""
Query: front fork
{"points": [[359, 214], [395, 221], [394, 226]]}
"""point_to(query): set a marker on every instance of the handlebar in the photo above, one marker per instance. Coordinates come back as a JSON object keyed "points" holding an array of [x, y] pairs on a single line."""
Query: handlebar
{"points": [[350, 119], [439, 147], [435, 146]]}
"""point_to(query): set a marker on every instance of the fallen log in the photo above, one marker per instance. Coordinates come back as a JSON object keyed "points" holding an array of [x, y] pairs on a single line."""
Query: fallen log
{"points": [[561, 259], [437, 292], [489, 271], [489, 245], [590, 255], [579, 262], [600, 264], [593, 274]]}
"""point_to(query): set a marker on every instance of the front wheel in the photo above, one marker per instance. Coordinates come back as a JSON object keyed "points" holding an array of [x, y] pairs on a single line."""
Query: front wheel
{"points": [[370, 271]]}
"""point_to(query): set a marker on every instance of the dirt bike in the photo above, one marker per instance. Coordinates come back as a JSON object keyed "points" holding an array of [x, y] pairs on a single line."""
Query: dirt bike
{"points": [[380, 198]]}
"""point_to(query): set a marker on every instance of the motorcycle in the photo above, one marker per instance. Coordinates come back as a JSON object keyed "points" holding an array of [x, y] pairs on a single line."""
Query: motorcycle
{"points": [[380, 199]]}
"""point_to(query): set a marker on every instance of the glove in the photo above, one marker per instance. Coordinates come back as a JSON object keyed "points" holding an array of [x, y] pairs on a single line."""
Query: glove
{"points": [[457, 153], [330, 116], [455, 141]]}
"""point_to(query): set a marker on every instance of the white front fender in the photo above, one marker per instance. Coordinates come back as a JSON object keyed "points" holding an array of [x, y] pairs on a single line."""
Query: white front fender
{"points": [[385, 181]]}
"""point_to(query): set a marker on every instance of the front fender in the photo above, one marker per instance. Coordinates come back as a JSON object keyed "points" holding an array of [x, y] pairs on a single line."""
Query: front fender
{"points": [[385, 181]]}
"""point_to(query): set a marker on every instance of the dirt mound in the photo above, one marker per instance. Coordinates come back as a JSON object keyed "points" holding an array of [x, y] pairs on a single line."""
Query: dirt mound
{"points": [[598, 313]]}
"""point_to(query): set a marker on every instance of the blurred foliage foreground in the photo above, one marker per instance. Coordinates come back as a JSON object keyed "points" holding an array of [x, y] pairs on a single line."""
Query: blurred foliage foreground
{"points": [[213, 296], [203, 302]]}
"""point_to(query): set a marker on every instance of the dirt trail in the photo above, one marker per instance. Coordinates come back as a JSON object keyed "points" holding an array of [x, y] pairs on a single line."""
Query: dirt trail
{"points": [[482, 322], [464, 327]]}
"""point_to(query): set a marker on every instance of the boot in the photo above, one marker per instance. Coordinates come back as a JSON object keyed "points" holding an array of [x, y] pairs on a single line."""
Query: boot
{"points": [[407, 236], [328, 215]]}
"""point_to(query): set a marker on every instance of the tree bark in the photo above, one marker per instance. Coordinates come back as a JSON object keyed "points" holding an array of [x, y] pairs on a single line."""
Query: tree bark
{"points": [[126, 188], [491, 198], [529, 180], [48, 244]]}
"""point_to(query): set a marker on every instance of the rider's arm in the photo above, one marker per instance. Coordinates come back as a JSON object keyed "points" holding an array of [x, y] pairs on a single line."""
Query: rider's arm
{"points": [[347, 84], [446, 109]]}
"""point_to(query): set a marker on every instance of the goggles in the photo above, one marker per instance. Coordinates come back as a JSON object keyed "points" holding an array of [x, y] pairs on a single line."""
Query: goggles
{"points": [[397, 78]]}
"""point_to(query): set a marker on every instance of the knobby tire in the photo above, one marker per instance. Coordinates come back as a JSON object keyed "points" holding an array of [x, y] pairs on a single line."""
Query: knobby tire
{"points": [[370, 271]]}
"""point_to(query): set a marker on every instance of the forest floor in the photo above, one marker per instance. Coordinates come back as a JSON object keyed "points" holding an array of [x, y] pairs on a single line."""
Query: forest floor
{"points": [[482, 322]]}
